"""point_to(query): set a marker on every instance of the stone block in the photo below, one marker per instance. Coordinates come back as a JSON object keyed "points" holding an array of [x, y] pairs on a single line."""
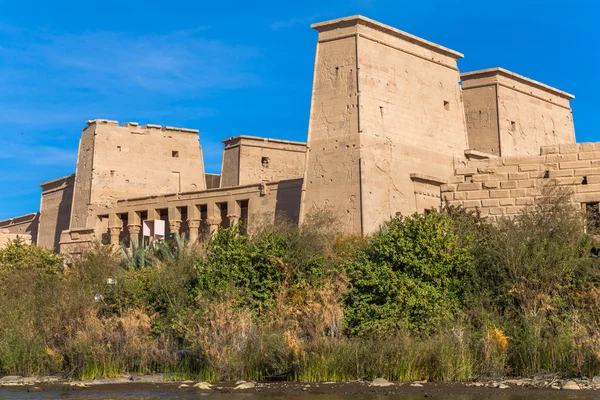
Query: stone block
{"points": [[447, 196], [469, 186], [549, 150], [491, 185], [587, 171], [597, 146], [466, 171], [586, 147], [456, 179], [490, 203], [526, 184], [595, 164], [478, 194], [568, 148], [591, 155], [507, 201], [594, 179], [560, 173], [529, 167], [497, 210], [460, 195], [586, 197], [514, 209], [574, 164], [567, 181], [524, 201], [508, 185], [588, 188], [481, 177], [472, 203], [561, 157], [496, 194], [518, 175], [523, 160], [448, 187], [518, 193]]}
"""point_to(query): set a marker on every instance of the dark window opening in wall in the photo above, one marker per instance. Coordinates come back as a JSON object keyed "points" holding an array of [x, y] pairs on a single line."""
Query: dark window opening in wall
{"points": [[124, 236], [183, 211], [265, 162], [243, 217], [143, 215], [118, 148], [203, 212], [592, 214], [546, 174], [223, 211], [103, 222], [446, 105], [513, 126], [584, 180], [175, 154], [112, 172]]}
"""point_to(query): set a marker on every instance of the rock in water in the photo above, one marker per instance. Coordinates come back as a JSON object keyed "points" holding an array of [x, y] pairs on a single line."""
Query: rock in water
{"points": [[247, 385], [183, 385], [570, 385], [416, 384], [380, 382], [203, 385], [596, 381], [503, 386]]}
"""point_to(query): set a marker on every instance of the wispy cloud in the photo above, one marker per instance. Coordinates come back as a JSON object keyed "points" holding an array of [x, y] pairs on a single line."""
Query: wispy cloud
{"points": [[295, 21], [58, 78]]}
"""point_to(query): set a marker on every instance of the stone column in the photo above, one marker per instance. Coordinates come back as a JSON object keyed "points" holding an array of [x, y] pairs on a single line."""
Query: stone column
{"points": [[213, 224], [234, 219], [174, 226], [114, 232], [115, 225], [134, 234], [194, 225]]}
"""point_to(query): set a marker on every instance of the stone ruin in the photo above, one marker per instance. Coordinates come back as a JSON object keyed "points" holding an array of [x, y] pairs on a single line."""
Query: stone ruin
{"points": [[394, 127]]}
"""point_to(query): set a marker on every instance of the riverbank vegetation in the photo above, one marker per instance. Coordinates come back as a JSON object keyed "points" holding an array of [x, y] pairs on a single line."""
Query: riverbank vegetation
{"points": [[445, 296]]}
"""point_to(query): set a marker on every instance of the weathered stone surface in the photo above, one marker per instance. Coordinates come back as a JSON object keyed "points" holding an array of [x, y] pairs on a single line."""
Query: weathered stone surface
{"points": [[380, 382], [570, 385]]}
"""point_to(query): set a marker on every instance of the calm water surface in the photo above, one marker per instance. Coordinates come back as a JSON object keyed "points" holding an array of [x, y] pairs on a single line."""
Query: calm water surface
{"points": [[161, 395]]}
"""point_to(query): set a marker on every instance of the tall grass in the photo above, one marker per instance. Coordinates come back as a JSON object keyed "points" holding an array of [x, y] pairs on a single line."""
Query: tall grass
{"points": [[297, 303]]}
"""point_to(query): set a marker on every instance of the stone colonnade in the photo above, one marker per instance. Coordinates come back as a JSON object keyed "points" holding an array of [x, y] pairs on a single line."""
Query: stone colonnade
{"points": [[191, 217]]}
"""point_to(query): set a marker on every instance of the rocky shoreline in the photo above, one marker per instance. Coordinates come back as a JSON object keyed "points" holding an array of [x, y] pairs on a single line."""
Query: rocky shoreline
{"points": [[543, 384]]}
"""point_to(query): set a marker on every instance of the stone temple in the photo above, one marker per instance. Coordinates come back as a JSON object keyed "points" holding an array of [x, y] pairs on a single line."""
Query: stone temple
{"points": [[394, 127]]}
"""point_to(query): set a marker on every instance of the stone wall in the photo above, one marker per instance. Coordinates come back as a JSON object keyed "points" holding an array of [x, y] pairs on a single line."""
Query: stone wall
{"points": [[24, 225], [117, 162], [55, 211], [386, 106], [505, 186], [510, 115], [6, 237], [250, 159]]}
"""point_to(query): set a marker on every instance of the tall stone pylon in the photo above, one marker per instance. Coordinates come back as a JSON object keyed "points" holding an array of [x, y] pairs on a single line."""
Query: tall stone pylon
{"points": [[387, 124]]}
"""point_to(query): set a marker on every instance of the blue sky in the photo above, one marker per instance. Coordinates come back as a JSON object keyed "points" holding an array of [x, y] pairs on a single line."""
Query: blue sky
{"points": [[238, 67]]}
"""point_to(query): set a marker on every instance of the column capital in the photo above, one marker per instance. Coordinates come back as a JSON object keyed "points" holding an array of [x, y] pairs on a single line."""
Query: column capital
{"points": [[193, 223]]}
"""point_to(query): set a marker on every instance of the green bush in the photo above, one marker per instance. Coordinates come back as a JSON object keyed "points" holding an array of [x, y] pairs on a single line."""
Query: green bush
{"points": [[411, 275]]}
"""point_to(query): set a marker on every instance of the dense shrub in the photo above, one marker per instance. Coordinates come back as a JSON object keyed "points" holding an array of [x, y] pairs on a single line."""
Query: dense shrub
{"points": [[411, 276]]}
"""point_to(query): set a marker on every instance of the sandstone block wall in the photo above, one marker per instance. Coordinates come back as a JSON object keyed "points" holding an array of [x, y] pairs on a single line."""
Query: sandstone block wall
{"points": [[24, 225], [510, 115], [55, 211], [117, 162], [6, 237], [505, 186], [250, 159], [385, 106]]}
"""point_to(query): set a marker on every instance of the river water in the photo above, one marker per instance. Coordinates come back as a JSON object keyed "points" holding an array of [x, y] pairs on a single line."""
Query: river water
{"points": [[165, 395]]}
